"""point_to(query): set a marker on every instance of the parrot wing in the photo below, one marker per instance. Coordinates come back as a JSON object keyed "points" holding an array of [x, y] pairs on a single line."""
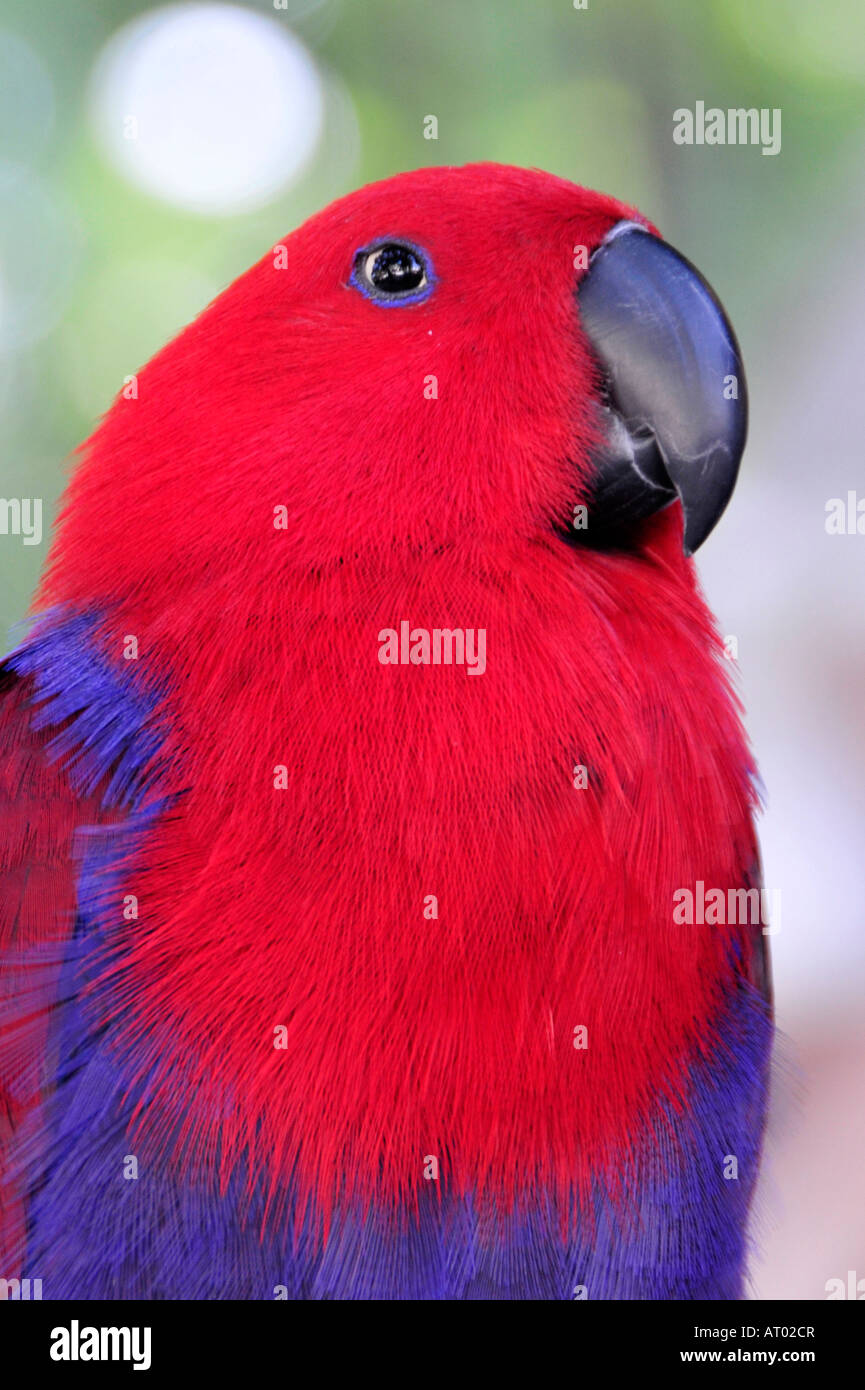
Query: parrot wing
{"points": [[40, 815]]}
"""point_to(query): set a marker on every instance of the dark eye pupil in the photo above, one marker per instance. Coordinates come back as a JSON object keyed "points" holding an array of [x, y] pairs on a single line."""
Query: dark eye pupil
{"points": [[395, 269]]}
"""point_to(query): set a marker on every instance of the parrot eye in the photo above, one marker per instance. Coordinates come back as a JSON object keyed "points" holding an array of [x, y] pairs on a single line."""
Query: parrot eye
{"points": [[392, 272]]}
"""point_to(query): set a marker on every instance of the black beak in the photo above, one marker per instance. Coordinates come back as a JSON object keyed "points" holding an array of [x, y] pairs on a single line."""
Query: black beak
{"points": [[676, 410]]}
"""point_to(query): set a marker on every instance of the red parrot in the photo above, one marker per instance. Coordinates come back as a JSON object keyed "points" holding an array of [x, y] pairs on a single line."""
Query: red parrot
{"points": [[370, 730]]}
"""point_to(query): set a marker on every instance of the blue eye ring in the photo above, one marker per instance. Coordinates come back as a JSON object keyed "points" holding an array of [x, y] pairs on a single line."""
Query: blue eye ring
{"points": [[364, 267]]}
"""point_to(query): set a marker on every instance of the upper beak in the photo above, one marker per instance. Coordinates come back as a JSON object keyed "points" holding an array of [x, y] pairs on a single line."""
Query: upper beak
{"points": [[677, 410]]}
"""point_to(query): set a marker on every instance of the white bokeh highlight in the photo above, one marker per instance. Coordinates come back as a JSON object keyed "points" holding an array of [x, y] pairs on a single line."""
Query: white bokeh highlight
{"points": [[213, 108]]}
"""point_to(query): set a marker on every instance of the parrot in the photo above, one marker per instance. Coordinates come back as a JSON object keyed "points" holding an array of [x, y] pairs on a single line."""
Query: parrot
{"points": [[368, 733]]}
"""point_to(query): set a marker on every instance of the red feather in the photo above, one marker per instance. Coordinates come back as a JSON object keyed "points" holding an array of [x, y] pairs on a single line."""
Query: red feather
{"points": [[304, 907]]}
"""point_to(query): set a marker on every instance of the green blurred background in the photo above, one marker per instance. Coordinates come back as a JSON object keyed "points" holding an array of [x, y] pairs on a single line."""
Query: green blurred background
{"points": [[247, 118]]}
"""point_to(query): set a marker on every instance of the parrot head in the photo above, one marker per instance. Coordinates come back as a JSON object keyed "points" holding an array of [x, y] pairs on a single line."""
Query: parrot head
{"points": [[455, 354]]}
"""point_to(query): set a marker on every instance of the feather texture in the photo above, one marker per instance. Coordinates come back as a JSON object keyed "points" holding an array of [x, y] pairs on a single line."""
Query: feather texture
{"points": [[282, 1037]]}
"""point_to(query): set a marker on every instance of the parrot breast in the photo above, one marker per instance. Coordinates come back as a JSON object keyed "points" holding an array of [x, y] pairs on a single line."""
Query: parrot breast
{"points": [[383, 922]]}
